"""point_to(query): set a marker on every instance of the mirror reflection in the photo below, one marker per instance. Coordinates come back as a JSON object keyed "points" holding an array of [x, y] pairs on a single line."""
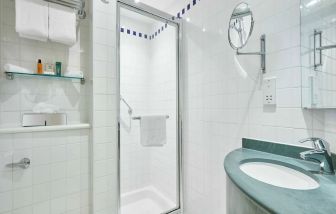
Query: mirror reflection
{"points": [[318, 53], [241, 26]]}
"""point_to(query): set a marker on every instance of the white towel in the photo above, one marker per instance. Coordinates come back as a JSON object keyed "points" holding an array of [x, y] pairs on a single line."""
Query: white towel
{"points": [[62, 24], [73, 73], [32, 19], [15, 68], [153, 130]]}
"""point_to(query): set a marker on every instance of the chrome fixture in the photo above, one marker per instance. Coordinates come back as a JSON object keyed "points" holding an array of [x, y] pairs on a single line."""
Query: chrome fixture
{"points": [[240, 30], [262, 53], [24, 164], [318, 48], [78, 5], [139, 118], [321, 154], [130, 110]]}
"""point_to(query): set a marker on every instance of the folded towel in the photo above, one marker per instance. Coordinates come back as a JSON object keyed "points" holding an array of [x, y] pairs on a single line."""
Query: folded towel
{"points": [[153, 130], [32, 19], [33, 37], [15, 68], [62, 24], [72, 73], [46, 108]]}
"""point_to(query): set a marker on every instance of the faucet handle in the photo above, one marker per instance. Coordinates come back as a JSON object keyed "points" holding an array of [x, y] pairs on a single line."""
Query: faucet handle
{"points": [[318, 143]]}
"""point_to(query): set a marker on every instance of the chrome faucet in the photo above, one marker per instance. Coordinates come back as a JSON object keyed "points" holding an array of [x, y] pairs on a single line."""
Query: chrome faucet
{"points": [[321, 154]]}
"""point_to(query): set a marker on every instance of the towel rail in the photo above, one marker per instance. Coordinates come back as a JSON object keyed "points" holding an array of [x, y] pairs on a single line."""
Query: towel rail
{"points": [[78, 5], [139, 117]]}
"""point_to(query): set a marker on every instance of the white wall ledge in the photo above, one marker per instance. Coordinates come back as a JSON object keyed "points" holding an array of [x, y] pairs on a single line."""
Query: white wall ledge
{"points": [[44, 128]]}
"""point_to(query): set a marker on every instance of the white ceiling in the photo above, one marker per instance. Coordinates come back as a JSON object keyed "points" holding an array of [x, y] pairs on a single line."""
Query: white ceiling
{"points": [[159, 4], [168, 6]]}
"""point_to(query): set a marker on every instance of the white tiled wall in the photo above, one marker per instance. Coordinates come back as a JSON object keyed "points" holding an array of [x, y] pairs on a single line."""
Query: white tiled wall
{"points": [[163, 101], [21, 94], [105, 194], [58, 179], [134, 88], [223, 106]]}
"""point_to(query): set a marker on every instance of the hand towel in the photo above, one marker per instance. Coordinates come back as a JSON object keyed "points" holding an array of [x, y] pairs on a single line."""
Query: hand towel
{"points": [[15, 68], [32, 19], [73, 73], [153, 131], [62, 24], [45, 108]]}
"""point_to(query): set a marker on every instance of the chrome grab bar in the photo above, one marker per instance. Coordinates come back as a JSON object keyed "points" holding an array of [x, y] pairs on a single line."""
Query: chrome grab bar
{"points": [[130, 110], [24, 164], [139, 117]]}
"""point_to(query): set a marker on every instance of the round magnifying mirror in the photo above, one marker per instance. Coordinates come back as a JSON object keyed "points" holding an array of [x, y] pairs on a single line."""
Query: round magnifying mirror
{"points": [[241, 26]]}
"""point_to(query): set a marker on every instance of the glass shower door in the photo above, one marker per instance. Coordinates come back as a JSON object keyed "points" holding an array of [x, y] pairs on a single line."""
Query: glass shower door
{"points": [[148, 113]]}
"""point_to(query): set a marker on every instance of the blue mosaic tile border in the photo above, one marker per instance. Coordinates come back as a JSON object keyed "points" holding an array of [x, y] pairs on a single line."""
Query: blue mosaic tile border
{"points": [[179, 15]]}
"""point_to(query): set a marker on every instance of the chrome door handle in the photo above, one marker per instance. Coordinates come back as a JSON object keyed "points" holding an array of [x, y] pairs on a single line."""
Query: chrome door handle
{"points": [[24, 164]]}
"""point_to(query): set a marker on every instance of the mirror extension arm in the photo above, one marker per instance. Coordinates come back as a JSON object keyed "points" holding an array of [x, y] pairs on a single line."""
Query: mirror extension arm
{"points": [[262, 53]]}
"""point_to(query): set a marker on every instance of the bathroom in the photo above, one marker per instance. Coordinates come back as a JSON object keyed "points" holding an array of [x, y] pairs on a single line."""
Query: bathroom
{"points": [[157, 107]]}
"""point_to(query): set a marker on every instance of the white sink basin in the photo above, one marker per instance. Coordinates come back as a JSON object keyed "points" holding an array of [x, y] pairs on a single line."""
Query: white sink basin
{"points": [[279, 176]]}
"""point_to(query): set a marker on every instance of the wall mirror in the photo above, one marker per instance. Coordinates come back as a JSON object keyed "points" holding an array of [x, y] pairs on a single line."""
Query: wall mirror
{"points": [[241, 26], [240, 30], [318, 53]]}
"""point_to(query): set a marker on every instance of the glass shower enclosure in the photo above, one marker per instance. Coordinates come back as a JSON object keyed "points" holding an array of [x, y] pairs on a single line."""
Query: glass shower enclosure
{"points": [[149, 110]]}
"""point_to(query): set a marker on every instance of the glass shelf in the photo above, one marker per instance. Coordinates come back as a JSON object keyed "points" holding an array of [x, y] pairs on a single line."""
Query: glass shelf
{"points": [[10, 76]]}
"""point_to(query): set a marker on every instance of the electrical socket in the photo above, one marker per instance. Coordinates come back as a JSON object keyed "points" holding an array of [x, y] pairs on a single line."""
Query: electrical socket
{"points": [[269, 91]]}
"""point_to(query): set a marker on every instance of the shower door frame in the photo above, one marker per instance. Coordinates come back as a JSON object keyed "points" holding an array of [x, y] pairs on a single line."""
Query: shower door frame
{"points": [[148, 11]]}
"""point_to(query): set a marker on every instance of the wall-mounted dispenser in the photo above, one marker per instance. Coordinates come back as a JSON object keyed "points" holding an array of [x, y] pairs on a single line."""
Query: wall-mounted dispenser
{"points": [[240, 30]]}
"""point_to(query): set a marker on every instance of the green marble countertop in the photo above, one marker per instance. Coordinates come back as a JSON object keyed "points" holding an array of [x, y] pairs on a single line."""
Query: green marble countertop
{"points": [[280, 200]]}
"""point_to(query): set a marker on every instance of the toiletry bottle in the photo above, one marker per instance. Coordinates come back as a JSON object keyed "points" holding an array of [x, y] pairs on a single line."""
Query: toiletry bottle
{"points": [[39, 67], [58, 68], [49, 69]]}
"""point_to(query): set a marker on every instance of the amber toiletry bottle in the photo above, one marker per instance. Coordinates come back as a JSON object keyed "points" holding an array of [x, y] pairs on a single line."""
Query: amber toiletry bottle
{"points": [[39, 67]]}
